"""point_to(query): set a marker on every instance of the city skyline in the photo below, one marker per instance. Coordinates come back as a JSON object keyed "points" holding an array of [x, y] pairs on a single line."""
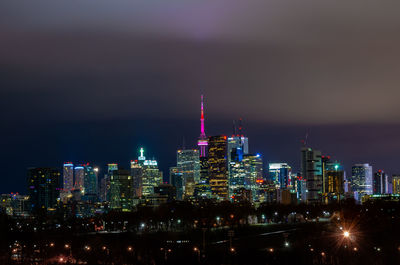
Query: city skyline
{"points": [[294, 162], [199, 132]]}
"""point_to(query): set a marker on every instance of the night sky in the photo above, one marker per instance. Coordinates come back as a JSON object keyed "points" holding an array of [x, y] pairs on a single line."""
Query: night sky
{"points": [[93, 81]]}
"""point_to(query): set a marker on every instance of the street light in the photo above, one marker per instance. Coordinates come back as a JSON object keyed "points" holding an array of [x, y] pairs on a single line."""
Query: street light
{"points": [[346, 234]]}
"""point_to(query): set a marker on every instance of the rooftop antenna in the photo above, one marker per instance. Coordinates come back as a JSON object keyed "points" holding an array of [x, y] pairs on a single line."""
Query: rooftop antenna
{"points": [[305, 140], [183, 143], [234, 128], [240, 127]]}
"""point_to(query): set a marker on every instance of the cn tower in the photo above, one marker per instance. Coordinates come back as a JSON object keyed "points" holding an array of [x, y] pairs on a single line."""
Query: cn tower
{"points": [[202, 142]]}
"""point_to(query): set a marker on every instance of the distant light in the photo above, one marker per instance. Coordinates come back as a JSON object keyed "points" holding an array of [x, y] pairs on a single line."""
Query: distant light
{"points": [[346, 233], [286, 244], [96, 169]]}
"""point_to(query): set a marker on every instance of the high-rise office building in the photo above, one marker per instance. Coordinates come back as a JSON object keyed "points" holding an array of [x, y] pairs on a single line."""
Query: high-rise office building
{"points": [[238, 140], [188, 163], [301, 188], [203, 141], [176, 180], [396, 184], [105, 182], [381, 183], [281, 175], [68, 176], [333, 182], [388, 184], [152, 176], [253, 166], [79, 172], [203, 189], [217, 150], [237, 146], [311, 170], [361, 180], [90, 183], [137, 177], [121, 196], [43, 188], [237, 173]]}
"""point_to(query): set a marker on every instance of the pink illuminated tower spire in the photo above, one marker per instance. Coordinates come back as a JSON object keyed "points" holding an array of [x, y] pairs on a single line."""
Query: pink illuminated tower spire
{"points": [[202, 142]]}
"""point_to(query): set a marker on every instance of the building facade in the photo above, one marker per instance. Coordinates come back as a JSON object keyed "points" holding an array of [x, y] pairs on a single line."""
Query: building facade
{"points": [[311, 170], [188, 163], [217, 164], [43, 188], [361, 180], [121, 190]]}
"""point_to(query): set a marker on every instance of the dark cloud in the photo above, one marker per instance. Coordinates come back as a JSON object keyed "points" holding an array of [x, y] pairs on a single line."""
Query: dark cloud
{"points": [[295, 64]]}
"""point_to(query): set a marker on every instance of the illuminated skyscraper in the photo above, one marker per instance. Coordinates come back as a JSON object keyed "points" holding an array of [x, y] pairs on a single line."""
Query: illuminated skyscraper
{"points": [[238, 140], [90, 183], [43, 188], [396, 184], [333, 181], [68, 176], [188, 163], [79, 172], [311, 170], [237, 173], [105, 183], [121, 190], [176, 180], [152, 176], [203, 141], [137, 175], [361, 180], [217, 150], [238, 145], [378, 182], [280, 174], [203, 189], [253, 166]]}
